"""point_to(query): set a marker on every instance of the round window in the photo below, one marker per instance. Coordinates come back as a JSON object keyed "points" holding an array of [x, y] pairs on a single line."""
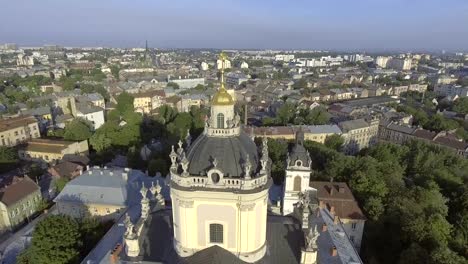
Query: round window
{"points": [[298, 163], [215, 177]]}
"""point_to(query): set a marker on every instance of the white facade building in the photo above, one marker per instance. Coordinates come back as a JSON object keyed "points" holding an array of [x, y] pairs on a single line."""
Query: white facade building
{"points": [[204, 66], [382, 61]]}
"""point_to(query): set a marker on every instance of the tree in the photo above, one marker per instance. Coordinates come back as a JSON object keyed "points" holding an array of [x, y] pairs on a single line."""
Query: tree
{"points": [[317, 116], [301, 83], [200, 87], [60, 183], [8, 158], [174, 85], [334, 142], [56, 240], [77, 130], [125, 102], [115, 70], [461, 105], [285, 113]]}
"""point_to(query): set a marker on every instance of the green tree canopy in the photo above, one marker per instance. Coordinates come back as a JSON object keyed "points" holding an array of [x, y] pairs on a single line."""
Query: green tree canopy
{"points": [[78, 129], [56, 240], [125, 102]]}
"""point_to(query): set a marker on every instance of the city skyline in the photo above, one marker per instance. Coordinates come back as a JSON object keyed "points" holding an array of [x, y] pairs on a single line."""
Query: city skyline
{"points": [[336, 25]]}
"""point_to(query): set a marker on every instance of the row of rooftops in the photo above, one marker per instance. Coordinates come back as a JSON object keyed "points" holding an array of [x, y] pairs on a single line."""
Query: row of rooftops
{"points": [[338, 129], [15, 188], [442, 138]]}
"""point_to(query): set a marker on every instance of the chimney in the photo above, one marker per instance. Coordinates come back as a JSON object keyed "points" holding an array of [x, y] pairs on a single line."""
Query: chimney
{"points": [[336, 220], [341, 189], [87, 167], [334, 252], [332, 190], [324, 227]]}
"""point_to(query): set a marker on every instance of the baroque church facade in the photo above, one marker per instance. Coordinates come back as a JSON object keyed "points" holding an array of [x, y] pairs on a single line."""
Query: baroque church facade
{"points": [[219, 190]]}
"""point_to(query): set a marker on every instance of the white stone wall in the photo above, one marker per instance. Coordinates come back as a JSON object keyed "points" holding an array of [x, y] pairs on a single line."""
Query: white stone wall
{"points": [[243, 217]]}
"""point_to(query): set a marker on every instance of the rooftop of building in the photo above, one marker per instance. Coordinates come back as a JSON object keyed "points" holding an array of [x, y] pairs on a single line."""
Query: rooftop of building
{"points": [[18, 189], [339, 196], [284, 241], [349, 125], [87, 108], [47, 145], [370, 101], [101, 186], [12, 123]]}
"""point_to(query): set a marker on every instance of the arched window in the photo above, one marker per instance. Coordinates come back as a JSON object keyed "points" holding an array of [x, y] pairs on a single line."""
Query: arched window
{"points": [[220, 119], [297, 184], [216, 233]]}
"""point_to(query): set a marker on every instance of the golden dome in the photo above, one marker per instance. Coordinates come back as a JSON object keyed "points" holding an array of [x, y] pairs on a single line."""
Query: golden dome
{"points": [[222, 97]]}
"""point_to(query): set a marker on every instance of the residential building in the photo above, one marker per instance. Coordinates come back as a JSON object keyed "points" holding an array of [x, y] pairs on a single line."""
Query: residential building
{"points": [[188, 83], [204, 66], [236, 78], [66, 169], [451, 90], [94, 114], [446, 79], [49, 150], [400, 64], [146, 102], [382, 61], [100, 192], [398, 90], [19, 201], [338, 198], [227, 64], [359, 134], [421, 88], [284, 57], [400, 133], [316, 133], [96, 99], [15, 130], [24, 60]]}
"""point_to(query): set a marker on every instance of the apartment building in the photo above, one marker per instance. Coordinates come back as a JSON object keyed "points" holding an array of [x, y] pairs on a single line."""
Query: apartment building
{"points": [[359, 134], [13, 131], [145, 102], [49, 150], [19, 200], [340, 201]]}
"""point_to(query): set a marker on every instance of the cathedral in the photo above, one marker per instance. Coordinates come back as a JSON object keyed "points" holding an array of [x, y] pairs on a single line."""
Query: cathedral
{"points": [[220, 208]]}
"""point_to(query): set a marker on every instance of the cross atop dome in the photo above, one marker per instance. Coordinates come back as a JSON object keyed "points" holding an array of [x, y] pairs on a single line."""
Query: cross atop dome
{"points": [[222, 97]]}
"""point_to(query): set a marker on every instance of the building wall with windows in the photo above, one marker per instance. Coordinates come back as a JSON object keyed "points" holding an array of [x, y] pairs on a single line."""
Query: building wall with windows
{"points": [[47, 150], [359, 134], [19, 201], [82, 210], [17, 130]]}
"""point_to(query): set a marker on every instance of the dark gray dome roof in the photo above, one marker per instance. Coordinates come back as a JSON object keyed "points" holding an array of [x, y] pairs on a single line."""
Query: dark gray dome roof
{"points": [[299, 153], [230, 153]]}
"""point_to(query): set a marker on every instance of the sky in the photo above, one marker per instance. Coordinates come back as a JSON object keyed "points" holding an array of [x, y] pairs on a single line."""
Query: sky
{"points": [[347, 25]]}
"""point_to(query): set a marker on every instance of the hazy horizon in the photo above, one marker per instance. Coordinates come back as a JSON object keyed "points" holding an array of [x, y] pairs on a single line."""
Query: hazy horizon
{"points": [[361, 25]]}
